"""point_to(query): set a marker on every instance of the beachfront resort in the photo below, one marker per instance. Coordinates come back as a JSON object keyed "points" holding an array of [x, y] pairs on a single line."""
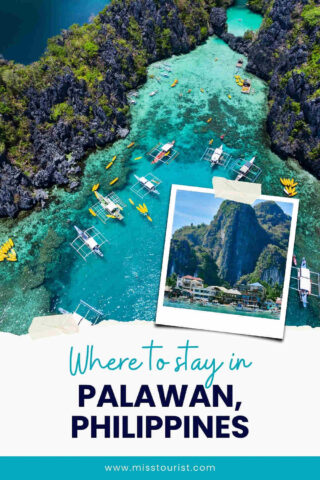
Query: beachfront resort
{"points": [[250, 297]]}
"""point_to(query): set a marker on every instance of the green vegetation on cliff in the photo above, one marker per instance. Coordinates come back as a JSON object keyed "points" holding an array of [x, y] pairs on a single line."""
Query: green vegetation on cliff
{"points": [[241, 245], [78, 52], [292, 39]]}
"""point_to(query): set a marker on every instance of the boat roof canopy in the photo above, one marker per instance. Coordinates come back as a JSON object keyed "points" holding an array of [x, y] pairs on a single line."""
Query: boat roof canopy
{"points": [[305, 284], [305, 273]]}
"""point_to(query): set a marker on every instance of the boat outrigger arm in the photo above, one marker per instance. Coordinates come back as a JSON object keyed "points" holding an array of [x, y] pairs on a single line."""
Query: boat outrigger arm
{"points": [[145, 185], [109, 206], [87, 242], [163, 153], [219, 157], [244, 170], [308, 282]]}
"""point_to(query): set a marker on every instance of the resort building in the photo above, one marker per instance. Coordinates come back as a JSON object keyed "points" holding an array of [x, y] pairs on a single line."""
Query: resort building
{"points": [[188, 283], [194, 286], [252, 294]]}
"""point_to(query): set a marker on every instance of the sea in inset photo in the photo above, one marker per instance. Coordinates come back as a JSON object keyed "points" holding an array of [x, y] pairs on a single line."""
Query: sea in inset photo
{"points": [[226, 256]]}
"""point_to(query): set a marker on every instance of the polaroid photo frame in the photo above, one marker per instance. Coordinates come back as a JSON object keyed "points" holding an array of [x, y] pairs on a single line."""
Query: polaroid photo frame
{"points": [[235, 317]]}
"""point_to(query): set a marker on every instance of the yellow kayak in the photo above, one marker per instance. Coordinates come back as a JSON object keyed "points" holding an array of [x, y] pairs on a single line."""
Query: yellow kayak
{"points": [[92, 212], [138, 158], [149, 218], [109, 165], [229, 96], [209, 120], [113, 159], [130, 145], [131, 201], [111, 216], [95, 187], [211, 141], [201, 90], [114, 181]]}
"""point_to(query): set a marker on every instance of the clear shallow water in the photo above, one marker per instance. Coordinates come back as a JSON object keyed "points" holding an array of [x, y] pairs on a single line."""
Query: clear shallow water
{"points": [[219, 309], [125, 283], [25, 26], [240, 19]]}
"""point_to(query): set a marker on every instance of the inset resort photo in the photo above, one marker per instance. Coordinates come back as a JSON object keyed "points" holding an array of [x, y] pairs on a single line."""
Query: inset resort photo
{"points": [[226, 257]]}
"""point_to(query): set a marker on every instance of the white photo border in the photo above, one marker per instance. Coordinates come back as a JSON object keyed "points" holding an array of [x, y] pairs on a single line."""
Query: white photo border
{"points": [[224, 322]]}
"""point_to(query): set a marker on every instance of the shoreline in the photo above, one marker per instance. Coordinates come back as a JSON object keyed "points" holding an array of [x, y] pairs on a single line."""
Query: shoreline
{"points": [[125, 245], [221, 308], [68, 173]]}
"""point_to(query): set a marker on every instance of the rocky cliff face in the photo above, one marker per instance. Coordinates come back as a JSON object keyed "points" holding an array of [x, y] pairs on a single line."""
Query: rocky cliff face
{"points": [[74, 98], [243, 243], [235, 239], [286, 53]]}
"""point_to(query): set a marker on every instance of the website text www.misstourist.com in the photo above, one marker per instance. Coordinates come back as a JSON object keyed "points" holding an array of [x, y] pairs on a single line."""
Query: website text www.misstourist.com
{"points": [[159, 468]]}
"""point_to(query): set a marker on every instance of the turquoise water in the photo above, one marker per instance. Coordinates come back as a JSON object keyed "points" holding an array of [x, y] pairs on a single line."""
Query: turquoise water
{"points": [[125, 283], [228, 309], [240, 19], [25, 25]]}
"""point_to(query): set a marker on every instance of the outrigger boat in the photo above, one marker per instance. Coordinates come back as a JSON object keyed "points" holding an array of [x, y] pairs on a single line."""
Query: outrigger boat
{"points": [[85, 314], [165, 151], [219, 157], [304, 282], [109, 206], [216, 155], [308, 282], [244, 170], [147, 184], [87, 240]]}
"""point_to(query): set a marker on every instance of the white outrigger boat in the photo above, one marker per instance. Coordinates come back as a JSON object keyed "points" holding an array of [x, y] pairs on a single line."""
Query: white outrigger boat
{"points": [[308, 282], [163, 153], [304, 282], [111, 208], [88, 241], [147, 184], [244, 170], [216, 156], [107, 207]]}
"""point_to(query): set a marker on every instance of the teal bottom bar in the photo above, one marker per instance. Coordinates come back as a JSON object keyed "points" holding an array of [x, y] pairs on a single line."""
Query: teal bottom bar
{"points": [[96, 468]]}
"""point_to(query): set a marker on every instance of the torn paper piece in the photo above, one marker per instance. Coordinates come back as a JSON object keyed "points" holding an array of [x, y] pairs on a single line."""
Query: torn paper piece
{"points": [[53, 325], [243, 192]]}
